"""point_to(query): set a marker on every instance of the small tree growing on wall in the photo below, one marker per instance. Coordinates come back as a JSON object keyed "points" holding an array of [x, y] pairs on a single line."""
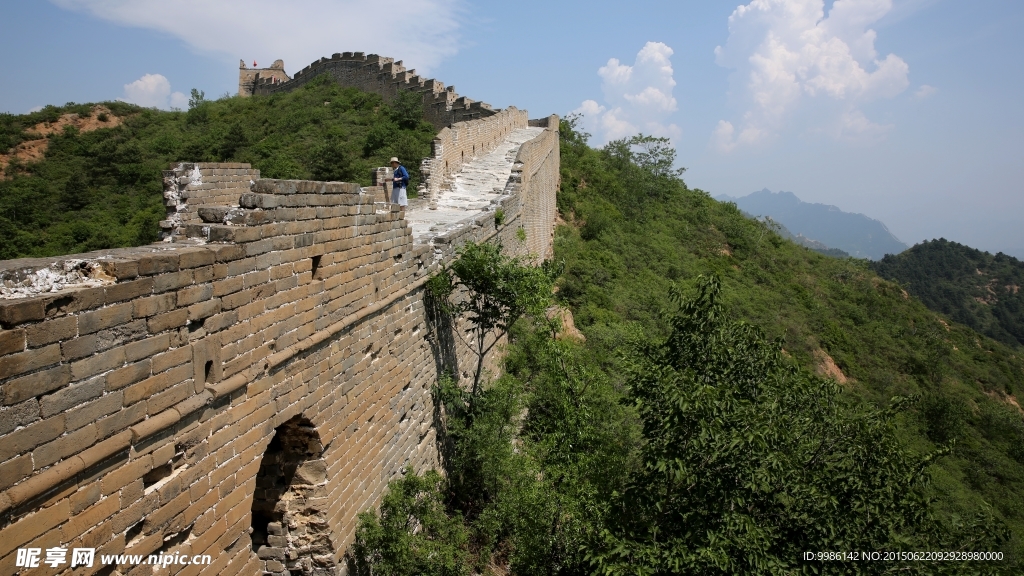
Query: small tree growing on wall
{"points": [[493, 291]]}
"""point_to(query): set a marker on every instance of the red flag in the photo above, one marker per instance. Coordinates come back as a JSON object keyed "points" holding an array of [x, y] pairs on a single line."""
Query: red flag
{"points": [[253, 63]]}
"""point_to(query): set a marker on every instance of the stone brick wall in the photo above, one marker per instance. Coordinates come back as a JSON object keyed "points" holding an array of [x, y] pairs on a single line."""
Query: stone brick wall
{"points": [[538, 162], [442, 106], [138, 402]]}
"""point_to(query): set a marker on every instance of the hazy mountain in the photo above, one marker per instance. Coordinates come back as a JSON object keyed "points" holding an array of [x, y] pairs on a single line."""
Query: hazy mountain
{"points": [[970, 286], [819, 247], [856, 234]]}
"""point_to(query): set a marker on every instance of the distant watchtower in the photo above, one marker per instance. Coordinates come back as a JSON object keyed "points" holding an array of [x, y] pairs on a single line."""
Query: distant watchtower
{"points": [[248, 77]]}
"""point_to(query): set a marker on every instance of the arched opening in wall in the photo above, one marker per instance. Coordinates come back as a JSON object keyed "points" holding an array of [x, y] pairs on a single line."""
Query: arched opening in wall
{"points": [[290, 533]]}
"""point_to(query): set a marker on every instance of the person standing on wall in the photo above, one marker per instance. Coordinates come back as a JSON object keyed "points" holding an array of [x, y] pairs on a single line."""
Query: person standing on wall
{"points": [[399, 183]]}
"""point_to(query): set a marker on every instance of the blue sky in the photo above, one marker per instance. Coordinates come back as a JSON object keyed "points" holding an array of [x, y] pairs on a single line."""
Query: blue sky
{"points": [[905, 110]]}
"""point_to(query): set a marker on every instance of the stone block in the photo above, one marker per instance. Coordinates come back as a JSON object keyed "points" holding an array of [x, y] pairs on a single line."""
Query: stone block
{"points": [[168, 321], [70, 396], [64, 446], [128, 290], [203, 309], [158, 263], [33, 525], [192, 294], [28, 438], [125, 269], [26, 387], [29, 360], [97, 364], [195, 258], [146, 348], [171, 358], [50, 331], [15, 470], [13, 312], [152, 305], [128, 375], [89, 322], [20, 414], [94, 411], [172, 281], [12, 341]]}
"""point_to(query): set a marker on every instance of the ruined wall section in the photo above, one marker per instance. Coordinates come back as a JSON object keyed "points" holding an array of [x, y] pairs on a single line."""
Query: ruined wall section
{"points": [[190, 187], [442, 106]]}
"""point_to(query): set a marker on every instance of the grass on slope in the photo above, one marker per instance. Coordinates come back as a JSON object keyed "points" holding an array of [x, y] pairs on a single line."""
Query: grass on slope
{"points": [[970, 286], [630, 238], [103, 188]]}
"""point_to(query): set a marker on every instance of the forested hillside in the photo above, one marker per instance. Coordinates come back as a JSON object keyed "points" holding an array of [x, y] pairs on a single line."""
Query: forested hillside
{"points": [[738, 399], [631, 239], [970, 286], [102, 188]]}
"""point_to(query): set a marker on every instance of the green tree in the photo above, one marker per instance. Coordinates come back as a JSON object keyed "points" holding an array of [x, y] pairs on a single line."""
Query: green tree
{"points": [[493, 290], [330, 161], [748, 462], [75, 194]]}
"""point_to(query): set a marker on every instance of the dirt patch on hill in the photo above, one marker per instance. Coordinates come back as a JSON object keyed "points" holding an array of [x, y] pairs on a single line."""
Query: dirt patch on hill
{"points": [[34, 150], [568, 329], [1006, 398], [827, 367]]}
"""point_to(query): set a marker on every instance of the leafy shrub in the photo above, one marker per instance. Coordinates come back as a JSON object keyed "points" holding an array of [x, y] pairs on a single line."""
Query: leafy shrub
{"points": [[414, 535]]}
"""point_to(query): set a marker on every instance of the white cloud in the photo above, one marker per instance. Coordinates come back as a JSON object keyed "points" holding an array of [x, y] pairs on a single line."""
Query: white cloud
{"points": [[925, 91], [298, 32], [154, 91], [789, 54], [637, 98], [723, 137], [34, 109], [854, 126], [179, 101]]}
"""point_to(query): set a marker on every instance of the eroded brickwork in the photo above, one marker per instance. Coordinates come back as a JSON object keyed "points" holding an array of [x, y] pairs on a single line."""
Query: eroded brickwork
{"points": [[137, 409]]}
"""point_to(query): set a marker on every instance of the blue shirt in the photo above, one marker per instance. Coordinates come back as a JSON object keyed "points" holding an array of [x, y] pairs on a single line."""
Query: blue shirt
{"points": [[401, 177]]}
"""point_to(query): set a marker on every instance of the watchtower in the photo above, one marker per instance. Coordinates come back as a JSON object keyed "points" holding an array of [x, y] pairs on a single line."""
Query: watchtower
{"points": [[248, 77]]}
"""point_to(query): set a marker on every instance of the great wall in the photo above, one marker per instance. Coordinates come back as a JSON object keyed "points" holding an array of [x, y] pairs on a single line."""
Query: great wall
{"points": [[248, 386]]}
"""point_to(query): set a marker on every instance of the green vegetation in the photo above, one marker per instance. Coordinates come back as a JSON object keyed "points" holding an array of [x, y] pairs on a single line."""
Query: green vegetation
{"points": [[970, 286], [103, 188], [691, 432]]}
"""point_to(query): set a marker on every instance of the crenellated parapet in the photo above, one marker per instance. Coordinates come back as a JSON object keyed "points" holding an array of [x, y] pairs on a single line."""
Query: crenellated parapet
{"points": [[442, 106]]}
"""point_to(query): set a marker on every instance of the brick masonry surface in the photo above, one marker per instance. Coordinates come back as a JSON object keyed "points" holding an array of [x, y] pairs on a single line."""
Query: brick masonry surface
{"points": [[280, 323]]}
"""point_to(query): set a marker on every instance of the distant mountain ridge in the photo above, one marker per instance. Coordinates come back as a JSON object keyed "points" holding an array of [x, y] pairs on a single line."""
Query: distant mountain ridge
{"points": [[818, 247], [856, 234], [970, 286]]}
